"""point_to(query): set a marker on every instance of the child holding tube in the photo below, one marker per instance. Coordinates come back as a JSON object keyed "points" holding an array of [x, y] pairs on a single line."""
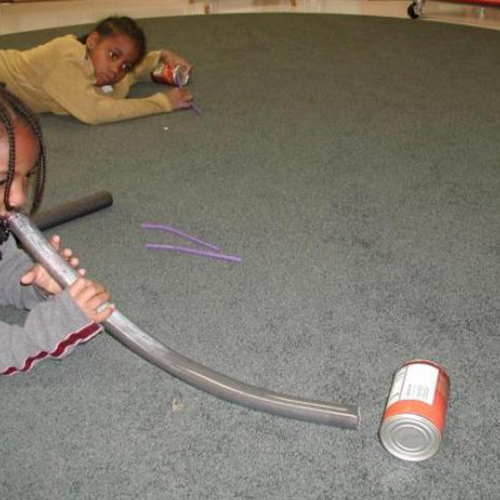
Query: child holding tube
{"points": [[90, 77], [58, 319]]}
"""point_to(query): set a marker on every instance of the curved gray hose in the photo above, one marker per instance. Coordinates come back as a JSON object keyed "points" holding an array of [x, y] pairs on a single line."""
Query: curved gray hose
{"points": [[174, 363]]}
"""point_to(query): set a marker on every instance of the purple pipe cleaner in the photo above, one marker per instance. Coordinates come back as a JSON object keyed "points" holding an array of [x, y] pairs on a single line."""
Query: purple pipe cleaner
{"points": [[204, 253], [170, 229]]}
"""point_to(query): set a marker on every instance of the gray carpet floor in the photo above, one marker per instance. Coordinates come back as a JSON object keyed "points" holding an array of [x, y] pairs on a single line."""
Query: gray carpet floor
{"points": [[354, 164]]}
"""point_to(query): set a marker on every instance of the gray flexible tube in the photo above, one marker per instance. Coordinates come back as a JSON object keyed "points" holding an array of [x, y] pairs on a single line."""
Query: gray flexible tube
{"points": [[120, 327]]}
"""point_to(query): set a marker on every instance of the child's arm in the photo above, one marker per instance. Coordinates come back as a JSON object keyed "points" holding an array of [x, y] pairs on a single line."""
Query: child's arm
{"points": [[52, 328], [72, 86], [142, 72]]}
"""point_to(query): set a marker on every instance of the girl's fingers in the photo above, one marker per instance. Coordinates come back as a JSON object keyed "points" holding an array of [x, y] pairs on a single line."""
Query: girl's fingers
{"points": [[85, 293], [92, 291], [93, 295], [55, 241], [103, 315], [96, 302], [77, 287], [90, 296], [66, 253], [28, 277]]}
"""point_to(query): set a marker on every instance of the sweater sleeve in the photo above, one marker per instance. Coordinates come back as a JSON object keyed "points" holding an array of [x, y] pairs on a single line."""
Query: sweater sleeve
{"points": [[142, 72], [14, 264], [52, 330], [72, 86]]}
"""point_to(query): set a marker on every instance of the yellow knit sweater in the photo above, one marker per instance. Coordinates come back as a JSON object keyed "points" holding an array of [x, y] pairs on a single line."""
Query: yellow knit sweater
{"points": [[58, 77]]}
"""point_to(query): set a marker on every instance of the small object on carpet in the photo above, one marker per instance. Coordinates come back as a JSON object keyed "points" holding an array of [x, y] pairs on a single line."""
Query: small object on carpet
{"points": [[73, 210], [196, 108], [194, 251], [178, 232], [415, 414]]}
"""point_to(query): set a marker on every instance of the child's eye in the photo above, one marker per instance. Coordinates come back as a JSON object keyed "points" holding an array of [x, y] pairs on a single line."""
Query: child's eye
{"points": [[126, 67], [28, 176], [113, 55]]}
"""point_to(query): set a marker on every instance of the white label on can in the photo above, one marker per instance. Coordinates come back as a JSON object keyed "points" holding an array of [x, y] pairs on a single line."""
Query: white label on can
{"points": [[417, 381]]}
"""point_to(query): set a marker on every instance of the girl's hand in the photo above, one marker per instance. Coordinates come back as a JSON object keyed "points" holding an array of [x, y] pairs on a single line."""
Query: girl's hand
{"points": [[180, 98], [175, 60], [37, 275], [89, 296]]}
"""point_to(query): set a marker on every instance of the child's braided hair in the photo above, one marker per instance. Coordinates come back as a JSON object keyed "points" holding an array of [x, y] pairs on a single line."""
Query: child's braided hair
{"points": [[12, 111]]}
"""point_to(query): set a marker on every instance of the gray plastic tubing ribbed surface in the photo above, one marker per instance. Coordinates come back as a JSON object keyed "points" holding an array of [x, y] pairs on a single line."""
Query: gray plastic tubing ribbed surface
{"points": [[195, 374]]}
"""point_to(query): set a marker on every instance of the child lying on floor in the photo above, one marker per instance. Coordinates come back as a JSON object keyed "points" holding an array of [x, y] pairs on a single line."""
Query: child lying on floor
{"points": [[90, 77]]}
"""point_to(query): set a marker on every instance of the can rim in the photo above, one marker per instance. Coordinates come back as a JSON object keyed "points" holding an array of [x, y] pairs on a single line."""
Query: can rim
{"points": [[395, 448]]}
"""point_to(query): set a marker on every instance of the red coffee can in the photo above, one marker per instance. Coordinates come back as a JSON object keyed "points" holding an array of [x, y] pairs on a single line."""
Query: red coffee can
{"points": [[171, 75], [413, 423]]}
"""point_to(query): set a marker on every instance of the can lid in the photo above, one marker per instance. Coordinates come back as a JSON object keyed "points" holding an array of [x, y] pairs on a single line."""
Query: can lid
{"points": [[181, 76], [410, 437]]}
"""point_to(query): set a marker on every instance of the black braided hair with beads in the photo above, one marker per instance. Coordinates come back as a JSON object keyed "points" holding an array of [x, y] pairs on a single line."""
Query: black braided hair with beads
{"points": [[12, 111]]}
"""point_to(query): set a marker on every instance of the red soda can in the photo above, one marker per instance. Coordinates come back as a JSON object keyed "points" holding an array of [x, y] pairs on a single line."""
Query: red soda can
{"points": [[413, 423], [171, 75]]}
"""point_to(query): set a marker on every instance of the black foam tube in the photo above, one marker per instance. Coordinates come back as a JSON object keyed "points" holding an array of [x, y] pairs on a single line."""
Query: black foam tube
{"points": [[72, 210]]}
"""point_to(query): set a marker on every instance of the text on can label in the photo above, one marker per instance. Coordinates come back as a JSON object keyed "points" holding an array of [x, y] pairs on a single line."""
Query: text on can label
{"points": [[414, 382]]}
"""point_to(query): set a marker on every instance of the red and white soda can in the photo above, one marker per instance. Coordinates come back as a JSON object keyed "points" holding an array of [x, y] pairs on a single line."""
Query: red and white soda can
{"points": [[171, 75], [413, 424]]}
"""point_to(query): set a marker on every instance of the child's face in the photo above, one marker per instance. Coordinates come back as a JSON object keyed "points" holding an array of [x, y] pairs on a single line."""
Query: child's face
{"points": [[26, 161], [112, 56]]}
